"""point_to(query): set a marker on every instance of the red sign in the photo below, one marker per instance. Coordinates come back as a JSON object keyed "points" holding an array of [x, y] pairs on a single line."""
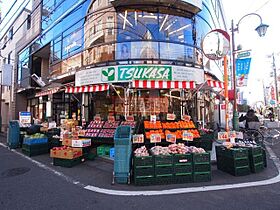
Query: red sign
{"points": [[171, 138], [186, 118], [155, 138], [272, 92], [138, 138], [130, 118], [171, 117], [187, 136], [223, 106]]}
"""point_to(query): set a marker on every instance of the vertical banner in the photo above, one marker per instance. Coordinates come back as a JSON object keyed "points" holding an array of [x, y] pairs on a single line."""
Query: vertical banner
{"points": [[242, 71]]}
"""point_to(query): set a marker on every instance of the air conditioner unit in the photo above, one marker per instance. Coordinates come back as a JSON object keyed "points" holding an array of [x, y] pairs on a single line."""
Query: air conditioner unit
{"points": [[38, 80]]}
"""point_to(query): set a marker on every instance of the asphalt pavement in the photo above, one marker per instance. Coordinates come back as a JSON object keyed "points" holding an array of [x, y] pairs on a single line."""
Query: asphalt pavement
{"points": [[25, 185]]}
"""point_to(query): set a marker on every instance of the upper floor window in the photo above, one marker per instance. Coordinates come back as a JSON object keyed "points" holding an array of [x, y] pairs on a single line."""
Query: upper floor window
{"points": [[28, 22], [9, 57], [11, 33]]}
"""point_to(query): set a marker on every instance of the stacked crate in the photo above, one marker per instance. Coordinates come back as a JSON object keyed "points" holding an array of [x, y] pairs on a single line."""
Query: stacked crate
{"points": [[144, 170], [256, 159], [163, 169], [201, 167], [183, 168], [234, 161], [35, 146]]}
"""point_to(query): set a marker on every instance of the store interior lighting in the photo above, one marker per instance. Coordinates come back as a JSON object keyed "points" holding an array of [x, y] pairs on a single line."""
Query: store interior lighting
{"points": [[180, 29], [164, 21]]}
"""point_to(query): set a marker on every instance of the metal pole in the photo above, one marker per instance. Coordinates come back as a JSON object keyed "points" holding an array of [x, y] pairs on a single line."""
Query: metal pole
{"points": [[276, 85], [235, 113], [226, 92]]}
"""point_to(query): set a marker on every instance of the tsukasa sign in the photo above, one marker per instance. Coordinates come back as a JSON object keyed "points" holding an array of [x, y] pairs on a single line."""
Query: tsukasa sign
{"points": [[129, 73]]}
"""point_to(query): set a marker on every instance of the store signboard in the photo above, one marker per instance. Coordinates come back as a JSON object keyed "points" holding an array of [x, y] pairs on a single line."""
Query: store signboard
{"points": [[187, 136], [155, 138], [25, 117], [223, 135], [171, 116], [127, 73], [171, 138], [138, 139]]}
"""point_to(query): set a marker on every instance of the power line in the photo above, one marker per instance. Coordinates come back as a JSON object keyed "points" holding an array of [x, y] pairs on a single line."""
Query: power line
{"points": [[262, 5], [8, 11]]}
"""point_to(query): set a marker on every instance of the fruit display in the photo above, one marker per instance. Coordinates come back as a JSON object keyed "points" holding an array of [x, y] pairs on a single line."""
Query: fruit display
{"points": [[65, 152], [175, 149], [185, 124], [171, 125], [141, 152], [177, 133], [92, 132], [95, 124], [195, 133], [36, 136], [159, 150], [152, 125], [113, 124], [160, 131], [178, 148], [107, 133], [131, 124]]}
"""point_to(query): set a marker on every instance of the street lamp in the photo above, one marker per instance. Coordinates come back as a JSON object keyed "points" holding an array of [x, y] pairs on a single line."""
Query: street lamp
{"points": [[261, 29]]}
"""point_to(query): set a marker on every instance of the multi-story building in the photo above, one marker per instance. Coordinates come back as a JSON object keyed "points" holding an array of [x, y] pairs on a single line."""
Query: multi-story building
{"points": [[105, 47], [9, 40]]}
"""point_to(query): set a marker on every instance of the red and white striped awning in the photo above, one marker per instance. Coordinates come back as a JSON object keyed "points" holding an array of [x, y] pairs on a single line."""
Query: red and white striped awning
{"points": [[47, 92], [215, 84], [87, 88], [163, 84]]}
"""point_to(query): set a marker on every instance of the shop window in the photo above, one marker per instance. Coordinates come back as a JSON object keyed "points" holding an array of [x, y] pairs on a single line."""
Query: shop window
{"points": [[110, 25], [11, 33], [28, 22]]}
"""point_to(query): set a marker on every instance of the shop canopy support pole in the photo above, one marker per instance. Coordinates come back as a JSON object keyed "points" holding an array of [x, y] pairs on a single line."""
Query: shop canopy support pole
{"points": [[226, 92]]}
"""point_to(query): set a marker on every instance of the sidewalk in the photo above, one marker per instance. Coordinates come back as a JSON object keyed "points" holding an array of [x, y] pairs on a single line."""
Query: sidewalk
{"points": [[98, 173]]}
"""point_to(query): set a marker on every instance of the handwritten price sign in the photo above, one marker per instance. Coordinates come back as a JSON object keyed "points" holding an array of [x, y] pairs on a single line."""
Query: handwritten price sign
{"points": [[155, 138], [232, 134], [239, 135], [138, 139], [171, 138], [153, 118], [187, 136], [223, 135], [171, 117], [186, 118]]}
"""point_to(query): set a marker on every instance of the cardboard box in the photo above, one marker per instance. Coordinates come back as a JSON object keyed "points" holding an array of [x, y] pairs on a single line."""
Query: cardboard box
{"points": [[81, 143], [66, 153], [67, 142]]}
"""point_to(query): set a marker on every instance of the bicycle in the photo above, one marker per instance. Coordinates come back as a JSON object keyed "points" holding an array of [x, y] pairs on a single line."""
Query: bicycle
{"points": [[271, 136], [252, 136]]}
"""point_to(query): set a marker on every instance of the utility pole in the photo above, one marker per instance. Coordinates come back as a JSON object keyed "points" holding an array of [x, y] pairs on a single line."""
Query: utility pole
{"points": [[276, 85]]}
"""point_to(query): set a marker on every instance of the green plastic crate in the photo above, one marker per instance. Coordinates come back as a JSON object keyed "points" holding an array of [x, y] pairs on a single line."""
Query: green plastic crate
{"points": [[182, 158], [206, 145], [164, 170], [144, 181], [202, 176], [107, 150], [255, 150], [258, 167], [232, 153], [163, 159], [68, 163], [144, 171], [143, 161], [201, 157], [264, 157], [36, 149], [256, 159], [164, 179], [202, 167], [183, 168], [183, 178], [100, 151]]}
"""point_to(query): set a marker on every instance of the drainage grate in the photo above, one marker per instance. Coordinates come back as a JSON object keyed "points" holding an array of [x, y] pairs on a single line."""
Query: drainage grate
{"points": [[14, 172]]}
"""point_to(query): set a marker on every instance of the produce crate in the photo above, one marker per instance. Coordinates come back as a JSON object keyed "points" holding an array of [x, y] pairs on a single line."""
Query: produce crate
{"points": [[31, 141], [232, 153], [164, 179], [164, 170], [183, 178], [143, 161], [144, 171], [258, 167], [100, 151], [202, 176], [163, 159], [36, 149], [256, 159], [201, 157], [107, 150], [68, 163], [183, 168], [182, 158], [202, 167], [144, 181], [255, 150], [264, 157], [206, 145], [207, 136]]}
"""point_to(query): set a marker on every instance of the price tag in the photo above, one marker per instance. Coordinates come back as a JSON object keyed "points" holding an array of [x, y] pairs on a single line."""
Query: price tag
{"points": [[171, 117], [130, 118], [232, 134], [97, 118], [223, 135], [111, 118], [239, 135], [171, 138], [155, 138], [138, 138], [187, 136], [186, 118], [153, 118]]}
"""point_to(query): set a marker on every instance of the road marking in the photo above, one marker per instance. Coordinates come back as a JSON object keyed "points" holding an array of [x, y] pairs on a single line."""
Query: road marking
{"points": [[273, 180]]}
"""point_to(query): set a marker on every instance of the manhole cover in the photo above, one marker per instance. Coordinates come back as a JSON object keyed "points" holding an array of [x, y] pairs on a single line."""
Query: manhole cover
{"points": [[14, 172]]}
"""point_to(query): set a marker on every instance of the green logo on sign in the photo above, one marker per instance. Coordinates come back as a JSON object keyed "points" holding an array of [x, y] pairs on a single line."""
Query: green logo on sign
{"points": [[144, 73], [108, 75]]}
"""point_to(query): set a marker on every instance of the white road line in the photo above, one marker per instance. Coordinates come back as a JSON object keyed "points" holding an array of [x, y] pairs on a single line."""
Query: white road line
{"points": [[273, 180]]}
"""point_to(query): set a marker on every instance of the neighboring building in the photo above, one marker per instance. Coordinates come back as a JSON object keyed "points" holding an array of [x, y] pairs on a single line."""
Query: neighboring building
{"points": [[8, 41], [106, 42]]}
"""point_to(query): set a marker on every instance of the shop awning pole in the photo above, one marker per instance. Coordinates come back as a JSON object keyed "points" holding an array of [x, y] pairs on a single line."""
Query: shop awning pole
{"points": [[226, 92]]}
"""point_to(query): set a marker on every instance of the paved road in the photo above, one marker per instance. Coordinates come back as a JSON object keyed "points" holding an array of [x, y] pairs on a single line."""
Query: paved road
{"points": [[37, 188]]}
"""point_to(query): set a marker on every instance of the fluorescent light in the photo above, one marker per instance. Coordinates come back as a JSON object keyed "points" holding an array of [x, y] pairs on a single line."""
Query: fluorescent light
{"points": [[125, 19], [180, 29], [150, 16], [135, 17], [163, 22]]}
